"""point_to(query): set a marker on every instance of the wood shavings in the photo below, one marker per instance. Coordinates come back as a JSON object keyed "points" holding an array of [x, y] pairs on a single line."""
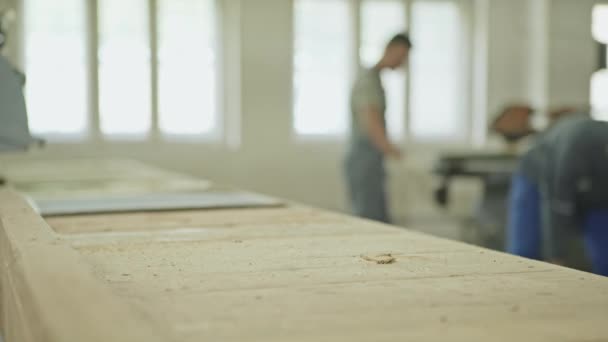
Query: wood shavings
{"points": [[381, 259]]}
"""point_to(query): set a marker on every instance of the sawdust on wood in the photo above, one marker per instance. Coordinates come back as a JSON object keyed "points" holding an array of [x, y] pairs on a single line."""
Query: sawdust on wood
{"points": [[381, 259]]}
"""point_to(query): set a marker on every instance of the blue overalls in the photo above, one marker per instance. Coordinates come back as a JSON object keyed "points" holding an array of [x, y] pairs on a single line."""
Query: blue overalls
{"points": [[524, 227], [528, 233]]}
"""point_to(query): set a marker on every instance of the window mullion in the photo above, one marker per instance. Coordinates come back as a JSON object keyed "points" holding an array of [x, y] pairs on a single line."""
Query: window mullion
{"points": [[408, 79], [467, 58], [153, 37], [92, 43], [356, 44]]}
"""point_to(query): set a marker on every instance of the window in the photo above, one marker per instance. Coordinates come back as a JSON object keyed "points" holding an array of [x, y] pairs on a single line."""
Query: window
{"points": [[436, 70], [174, 41], [56, 66], [599, 94], [380, 21], [600, 23], [436, 107], [322, 74], [124, 67], [186, 67], [599, 81]]}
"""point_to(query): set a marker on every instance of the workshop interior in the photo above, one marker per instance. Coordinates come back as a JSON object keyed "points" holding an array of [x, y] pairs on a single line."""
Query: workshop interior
{"points": [[483, 122]]}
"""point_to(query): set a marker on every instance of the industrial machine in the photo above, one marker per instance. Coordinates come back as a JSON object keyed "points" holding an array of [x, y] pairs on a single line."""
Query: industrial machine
{"points": [[14, 130], [487, 226], [489, 219]]}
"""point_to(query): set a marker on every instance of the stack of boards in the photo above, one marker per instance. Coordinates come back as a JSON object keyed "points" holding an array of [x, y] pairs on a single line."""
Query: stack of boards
{"points": [[86, 186]]}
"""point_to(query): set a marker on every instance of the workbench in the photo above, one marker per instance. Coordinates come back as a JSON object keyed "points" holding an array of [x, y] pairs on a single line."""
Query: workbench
{"points": [[289, 273]]}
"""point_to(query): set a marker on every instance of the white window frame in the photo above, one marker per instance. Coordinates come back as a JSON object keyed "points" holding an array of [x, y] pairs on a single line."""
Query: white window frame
{"points": [[92, 132]]}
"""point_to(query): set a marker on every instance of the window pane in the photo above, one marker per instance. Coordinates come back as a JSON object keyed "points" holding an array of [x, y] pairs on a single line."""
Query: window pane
{"points": [[124, 67], [187, 79], [321, 67], [380, 21], [600, 23], [599, 81], [55, 59], [436, 107], [599, 94]]}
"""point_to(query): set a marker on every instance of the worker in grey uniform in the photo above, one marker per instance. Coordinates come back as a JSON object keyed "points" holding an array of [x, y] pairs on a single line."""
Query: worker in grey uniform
{"points": [[369, 142], [561, 190]]}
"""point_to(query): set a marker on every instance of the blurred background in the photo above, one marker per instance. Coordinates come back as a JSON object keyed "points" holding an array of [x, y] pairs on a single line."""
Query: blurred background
{"points": [[256, 93]]}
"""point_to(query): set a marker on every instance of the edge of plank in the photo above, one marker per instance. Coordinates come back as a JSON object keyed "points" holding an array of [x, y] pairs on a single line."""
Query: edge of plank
{"points": [[49, 295]]}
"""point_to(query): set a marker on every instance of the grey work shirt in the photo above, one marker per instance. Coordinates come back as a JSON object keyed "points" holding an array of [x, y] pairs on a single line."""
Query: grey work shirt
{"points": [[364, 164], [367, 92]]}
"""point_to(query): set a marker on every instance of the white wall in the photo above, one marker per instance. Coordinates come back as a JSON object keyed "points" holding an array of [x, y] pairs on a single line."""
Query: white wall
{"points": [[540, 52], [572, 52], [258, 57], [507, 52]]}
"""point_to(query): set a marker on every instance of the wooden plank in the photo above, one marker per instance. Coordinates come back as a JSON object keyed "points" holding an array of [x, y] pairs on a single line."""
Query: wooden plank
{"points": [[49, 295], [296, 217], [259, 276], [88, 186], [154, 202], [20, 168], [86, 178], [265, 281]]}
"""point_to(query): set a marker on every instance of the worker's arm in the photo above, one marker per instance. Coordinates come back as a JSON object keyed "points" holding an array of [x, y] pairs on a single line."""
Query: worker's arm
{"points": [[569, 170], [376, 131], [524, 227]]}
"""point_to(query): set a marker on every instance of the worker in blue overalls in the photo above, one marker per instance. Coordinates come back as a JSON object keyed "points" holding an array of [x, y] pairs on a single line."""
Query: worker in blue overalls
{"points": [[369, 143], [561, 190]]}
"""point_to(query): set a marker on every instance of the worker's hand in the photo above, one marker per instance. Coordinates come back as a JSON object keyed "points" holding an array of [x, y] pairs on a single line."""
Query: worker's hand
{"points": [[394, 153]]}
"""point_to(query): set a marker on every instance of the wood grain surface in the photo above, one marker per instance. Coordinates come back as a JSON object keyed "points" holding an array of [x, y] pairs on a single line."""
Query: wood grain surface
{"points": [[275, 274]]}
